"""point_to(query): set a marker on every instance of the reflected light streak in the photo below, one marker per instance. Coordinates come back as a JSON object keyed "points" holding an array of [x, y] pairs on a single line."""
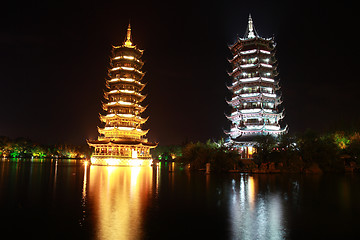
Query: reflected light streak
{"points": [[254, 215], [251, 193], [84, 189], [119, 196]]}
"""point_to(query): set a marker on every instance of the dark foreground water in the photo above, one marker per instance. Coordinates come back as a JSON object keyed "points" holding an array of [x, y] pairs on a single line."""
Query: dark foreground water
{"points": [[60, 199]]}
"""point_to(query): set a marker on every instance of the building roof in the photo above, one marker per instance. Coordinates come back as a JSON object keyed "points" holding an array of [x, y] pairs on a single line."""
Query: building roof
{"points": [[121, 142]]}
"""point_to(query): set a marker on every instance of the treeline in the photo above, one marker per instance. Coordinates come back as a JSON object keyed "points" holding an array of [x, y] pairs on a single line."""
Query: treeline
{"points": [[310, 151], [220, 157], [305, 152], [26, 148]]}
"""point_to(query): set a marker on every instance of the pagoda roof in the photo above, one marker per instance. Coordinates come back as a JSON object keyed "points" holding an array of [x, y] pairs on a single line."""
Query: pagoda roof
{"points": [[131, 130], [129, 69], [255, 51], [126, 80], [125, 91], [253, 114], [129, 117], [253, 82], [128, 142], [131, 59], [253, 134], [122, 104], [256, 96]]}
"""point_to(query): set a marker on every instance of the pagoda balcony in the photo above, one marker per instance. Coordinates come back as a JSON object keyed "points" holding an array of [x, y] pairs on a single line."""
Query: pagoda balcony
{"points": [[126, 68], [256, 79], [262, 123], [250, 110], [258, 106], [127, 93], [258, 93], [260, 127], [260, 90], [258, 110], [249, 80], [252, 51], [253, 65]]}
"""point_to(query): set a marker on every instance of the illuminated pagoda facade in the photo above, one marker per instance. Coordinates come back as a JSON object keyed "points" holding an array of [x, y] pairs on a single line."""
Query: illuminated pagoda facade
{"points": [[256, 98], [122, 140]]}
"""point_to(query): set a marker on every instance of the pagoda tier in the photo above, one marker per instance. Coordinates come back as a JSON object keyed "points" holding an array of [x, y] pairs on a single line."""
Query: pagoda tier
{"points": [[121, 140], [256, 100]]}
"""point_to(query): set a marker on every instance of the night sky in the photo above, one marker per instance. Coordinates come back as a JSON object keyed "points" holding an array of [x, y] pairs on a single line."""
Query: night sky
{"points": [[54, 57]]}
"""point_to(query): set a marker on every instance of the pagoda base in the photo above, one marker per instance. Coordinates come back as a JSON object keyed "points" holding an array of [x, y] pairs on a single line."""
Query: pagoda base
{"points": [[118, 161]]}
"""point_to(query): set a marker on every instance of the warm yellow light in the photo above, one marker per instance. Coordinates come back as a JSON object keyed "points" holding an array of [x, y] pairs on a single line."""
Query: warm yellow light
{"points": [[251, 193], [250, 150], [119, 200], [134, 154], [121, 161]]}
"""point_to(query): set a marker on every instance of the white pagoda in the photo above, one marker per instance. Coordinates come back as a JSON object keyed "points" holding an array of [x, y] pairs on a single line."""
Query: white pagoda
{"points": [[256, 97]]}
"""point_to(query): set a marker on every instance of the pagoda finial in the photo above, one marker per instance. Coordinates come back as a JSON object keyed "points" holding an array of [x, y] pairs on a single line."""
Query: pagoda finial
{"points": [[250, 32], [128, 42]]}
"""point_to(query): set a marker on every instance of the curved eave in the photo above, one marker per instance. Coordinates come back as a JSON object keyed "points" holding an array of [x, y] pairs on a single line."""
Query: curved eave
{"points": [[233, 117], [125, 48], [259, 97], [114, 117], [125, 69], [262, 131], [261, 110], [255, 80], [258, 65], [112, 142], [133, 131], [121, 104], [234, 101], [126, 80], [126, 92]]}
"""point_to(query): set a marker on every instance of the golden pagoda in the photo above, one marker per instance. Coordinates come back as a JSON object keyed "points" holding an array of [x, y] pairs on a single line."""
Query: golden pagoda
{"points": [[121, 140]]}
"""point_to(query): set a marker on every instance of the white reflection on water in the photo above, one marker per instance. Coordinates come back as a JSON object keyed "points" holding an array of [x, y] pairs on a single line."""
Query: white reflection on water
{"points": [[254, 215], [118, 198]]}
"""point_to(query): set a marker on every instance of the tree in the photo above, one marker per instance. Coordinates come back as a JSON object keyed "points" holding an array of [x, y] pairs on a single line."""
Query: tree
{"points": [[264, 146]]}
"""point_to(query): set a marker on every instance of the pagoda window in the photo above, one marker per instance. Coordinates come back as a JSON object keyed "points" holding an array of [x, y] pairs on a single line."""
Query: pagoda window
{"points": [[252, 121], [127, 65], [254, 105], [116, 151]]}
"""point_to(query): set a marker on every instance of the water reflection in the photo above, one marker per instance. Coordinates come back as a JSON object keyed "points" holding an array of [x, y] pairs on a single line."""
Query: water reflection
{"points": [[254, 215], [118, 197]]}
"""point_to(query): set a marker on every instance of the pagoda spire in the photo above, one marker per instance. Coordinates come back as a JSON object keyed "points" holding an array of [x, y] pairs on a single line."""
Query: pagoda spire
{"points": [[128, 42], [250, 31]]}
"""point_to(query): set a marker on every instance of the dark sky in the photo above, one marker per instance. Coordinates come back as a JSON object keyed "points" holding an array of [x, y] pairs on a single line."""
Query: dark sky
{"points": [[54, 57]]}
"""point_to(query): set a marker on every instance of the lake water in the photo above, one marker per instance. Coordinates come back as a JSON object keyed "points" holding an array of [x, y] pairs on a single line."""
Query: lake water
{"points": [[60, 199]]}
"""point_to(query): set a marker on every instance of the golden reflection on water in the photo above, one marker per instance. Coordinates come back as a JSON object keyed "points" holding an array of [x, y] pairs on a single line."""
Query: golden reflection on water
{"points": [[251, 191], [119, 197]]}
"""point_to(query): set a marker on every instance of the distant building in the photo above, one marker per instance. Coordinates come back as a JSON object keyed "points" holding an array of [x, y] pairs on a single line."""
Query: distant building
{"points": [[122, 140], [256, 98]]}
